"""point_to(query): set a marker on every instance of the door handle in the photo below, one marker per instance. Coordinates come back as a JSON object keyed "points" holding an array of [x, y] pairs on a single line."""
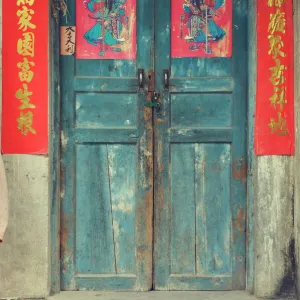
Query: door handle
{"points": [[166, 75], [141, 78]]}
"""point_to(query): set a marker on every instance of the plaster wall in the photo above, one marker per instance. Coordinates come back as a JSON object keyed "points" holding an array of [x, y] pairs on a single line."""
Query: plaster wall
{"points": [[24, 254], [273, 274]]}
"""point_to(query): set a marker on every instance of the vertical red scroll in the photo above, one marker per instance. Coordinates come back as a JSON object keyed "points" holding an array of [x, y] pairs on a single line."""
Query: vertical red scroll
{"points": [[274, 117], [25, 77]]}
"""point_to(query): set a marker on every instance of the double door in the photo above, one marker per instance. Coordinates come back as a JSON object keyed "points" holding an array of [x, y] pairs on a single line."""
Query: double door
{"points": [[153, 195]]}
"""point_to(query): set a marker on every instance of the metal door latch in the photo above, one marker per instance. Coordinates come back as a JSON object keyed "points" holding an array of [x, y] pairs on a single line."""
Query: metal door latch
{"points": [[154, 103]]}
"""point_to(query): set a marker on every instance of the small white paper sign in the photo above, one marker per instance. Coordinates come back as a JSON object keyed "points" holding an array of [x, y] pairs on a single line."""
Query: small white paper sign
{"points": [[67, 40]]}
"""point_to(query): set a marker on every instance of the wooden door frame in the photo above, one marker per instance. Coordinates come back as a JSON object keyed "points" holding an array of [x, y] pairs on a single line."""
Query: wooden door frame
{"points": [[54, 153], [55, 156]]}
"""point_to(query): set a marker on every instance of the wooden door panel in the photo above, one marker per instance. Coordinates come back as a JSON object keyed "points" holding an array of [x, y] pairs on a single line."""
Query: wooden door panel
{"points": [[199, 67], [106, 68], [114, 110], [201, 173], [107, 189], [200, 164], [205, 110], [105, 234]]}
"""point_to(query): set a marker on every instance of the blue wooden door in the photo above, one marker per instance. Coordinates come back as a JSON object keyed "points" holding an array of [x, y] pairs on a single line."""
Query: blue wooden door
{"points": [[197, 162], [200, 163], [107, 189]]}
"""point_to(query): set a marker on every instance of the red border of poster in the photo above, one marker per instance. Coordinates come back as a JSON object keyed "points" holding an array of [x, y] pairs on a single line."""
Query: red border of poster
{"points": [[25, 77], [274, 118], [89, 23], [221, 17]]}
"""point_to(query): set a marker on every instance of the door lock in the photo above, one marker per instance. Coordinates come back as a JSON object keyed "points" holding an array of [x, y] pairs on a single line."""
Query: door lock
{"points": [[154, 102]]}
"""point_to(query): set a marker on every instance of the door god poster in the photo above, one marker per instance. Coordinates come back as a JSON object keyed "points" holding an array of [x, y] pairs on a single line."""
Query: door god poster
{"points": [[201, 28], [106, 29]]}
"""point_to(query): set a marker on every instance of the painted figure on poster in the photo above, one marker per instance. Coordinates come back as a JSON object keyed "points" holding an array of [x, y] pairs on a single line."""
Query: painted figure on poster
{"points": [[111, 28], [199, 18]]}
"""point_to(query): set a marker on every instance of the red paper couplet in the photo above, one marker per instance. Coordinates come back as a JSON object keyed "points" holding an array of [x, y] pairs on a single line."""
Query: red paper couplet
{"points": [[25, 77], [274, 117]]}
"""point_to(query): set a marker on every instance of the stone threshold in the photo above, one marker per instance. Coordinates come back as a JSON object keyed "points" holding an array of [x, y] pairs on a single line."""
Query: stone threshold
{"points": [[236, 295]]}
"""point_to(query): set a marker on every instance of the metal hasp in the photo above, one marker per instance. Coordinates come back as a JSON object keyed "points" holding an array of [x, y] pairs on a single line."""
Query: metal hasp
{"points": [[154, 102]]}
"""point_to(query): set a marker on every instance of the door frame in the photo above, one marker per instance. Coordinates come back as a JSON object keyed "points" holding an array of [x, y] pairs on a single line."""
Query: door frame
{"points": [[55, 155]]}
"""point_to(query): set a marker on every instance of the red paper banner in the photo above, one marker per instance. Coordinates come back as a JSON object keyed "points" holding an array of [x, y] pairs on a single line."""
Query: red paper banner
{"points": [[201, 28], [25, 77], [274, 118], [106, 29]]}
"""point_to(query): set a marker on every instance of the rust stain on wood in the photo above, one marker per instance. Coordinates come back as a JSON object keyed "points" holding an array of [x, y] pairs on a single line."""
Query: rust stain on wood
{"points": [[238, 280], [148, 200], [216, 167], [144, 213], [239, 170], [239, 221], [66, 225]]}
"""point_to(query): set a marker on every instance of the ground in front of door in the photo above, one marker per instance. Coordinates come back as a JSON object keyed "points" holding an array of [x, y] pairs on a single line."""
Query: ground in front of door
{"points": [[155, 296]]}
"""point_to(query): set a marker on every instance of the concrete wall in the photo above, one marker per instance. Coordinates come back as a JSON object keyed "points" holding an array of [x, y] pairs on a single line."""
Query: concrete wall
{"points": [[24, 254], [274, 227]]}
